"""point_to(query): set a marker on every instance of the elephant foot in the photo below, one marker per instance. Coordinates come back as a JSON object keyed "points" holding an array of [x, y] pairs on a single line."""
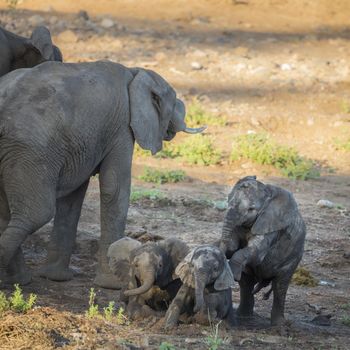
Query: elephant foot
{"points": [[21, 278], [108, 281], [54, 272]]}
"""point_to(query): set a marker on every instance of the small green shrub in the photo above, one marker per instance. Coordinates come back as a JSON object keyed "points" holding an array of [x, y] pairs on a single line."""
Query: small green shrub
{"points": [[261, 149], [166, 346], [197, 116], [345, 106], [168, 151], [18, 303], [4, 303], [162, 176], [213, 340], [121, 318], [108, 311], [303, 277], [138, 194], [199, 149], [342, 145], [93, 308], [346, 320]]}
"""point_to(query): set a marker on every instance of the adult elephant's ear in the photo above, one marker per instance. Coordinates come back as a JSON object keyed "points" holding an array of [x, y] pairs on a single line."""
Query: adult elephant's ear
{"points": [[225, 280], [183, 270], [277, 213], [149, 98], [41, 40]]}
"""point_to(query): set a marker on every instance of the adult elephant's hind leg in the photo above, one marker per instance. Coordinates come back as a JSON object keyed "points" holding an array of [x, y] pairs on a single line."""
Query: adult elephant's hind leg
{"points": [[63, 236]]}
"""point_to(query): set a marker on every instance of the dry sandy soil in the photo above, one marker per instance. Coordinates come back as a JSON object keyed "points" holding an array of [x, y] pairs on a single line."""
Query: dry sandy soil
{"points": [[271, 66]]}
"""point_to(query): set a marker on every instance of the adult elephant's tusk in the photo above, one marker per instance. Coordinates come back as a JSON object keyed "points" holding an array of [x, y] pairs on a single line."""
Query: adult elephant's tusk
{"points": [[195, 130]]}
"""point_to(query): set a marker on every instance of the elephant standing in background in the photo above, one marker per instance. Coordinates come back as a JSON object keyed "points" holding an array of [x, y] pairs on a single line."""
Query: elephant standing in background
{"points": [[19, 52], [207, 280], [263, 236], [60, 124]]}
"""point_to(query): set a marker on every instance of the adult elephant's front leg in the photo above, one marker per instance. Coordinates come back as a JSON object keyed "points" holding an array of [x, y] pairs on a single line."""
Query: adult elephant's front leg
{"points": [[115, 179], [63, 235]]}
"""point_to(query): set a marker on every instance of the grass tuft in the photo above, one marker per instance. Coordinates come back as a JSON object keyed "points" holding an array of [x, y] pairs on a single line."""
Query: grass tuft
{"points": [[303, 277], [139, 194], [342, 145], [166, 346], [162, 176], [198, 116], [261, 149], [345, 320]]}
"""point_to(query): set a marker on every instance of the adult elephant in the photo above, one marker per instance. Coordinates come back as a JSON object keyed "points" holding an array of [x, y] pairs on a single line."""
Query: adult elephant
{"points": [[60, 124], [19, 52]]}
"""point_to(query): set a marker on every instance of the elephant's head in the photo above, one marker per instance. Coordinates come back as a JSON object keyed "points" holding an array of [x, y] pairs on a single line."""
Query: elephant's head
{"points": [[27, 53], [150, 265], [156, 114], [204, 266]]}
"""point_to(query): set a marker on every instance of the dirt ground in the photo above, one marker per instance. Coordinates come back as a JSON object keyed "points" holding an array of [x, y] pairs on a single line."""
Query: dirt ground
{"points": [[276, 66]]}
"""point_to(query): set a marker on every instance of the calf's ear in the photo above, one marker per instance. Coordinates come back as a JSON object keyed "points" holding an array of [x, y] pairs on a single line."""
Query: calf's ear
{"points": [[225, 280]]}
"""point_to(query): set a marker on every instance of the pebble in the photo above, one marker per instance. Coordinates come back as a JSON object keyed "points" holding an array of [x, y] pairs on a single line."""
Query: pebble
{"points": [[286, 66], [324, 203], [196, 66], [107, 23], [36, 20]]}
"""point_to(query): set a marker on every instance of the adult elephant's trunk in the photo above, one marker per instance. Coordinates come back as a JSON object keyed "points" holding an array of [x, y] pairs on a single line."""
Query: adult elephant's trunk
{"points": [[200, 281], [148, 281]]}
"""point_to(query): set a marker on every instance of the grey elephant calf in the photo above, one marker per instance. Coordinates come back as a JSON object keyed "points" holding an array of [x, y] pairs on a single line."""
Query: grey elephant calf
{"points": [[263, 235], [60, 124], [19, 52], [146, 271], [207, 280]]}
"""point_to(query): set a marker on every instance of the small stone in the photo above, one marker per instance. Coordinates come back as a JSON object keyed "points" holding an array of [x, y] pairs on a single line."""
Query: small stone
{"points": [[83, 14], [36, 20], [67, 36], [107, 23], [196, 66], [286, 67], [324, 203]]}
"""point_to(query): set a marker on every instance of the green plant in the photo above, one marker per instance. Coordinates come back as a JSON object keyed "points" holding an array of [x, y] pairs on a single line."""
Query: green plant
{"points": [[261, 149], [108, 311], [166, 346], [168, 151], [345, 106], [121, 318], [345, 306], [162, 176], [152, 194], [197, 116], [18, 303], [93, 308], [213, 340], [199, 149], [342, 145], [12, 4], [4, 303], [303, 277], [346, 320]]}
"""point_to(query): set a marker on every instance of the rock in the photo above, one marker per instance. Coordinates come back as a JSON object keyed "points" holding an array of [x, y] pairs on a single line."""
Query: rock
{"points": [[67, 36], [36, 20], [322, 320], [196, 66], [324, 203], [83, 14], [107, 23], [286, 67]]}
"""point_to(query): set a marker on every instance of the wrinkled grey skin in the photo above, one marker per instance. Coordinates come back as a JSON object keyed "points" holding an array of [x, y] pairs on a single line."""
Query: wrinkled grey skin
{"points": [[19, 52], [152, 267], [60, 124], [118, 255], [263, 236], [207, 280]]}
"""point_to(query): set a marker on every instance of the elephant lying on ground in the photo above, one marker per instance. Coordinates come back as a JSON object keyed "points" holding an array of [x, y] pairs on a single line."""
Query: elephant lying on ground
{"points": [[207, 280], [19, 52], [60, 124], [148, 270], [263, 235]]}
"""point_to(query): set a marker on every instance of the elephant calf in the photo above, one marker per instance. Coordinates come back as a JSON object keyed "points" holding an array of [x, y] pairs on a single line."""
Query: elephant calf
{"points": [[263, 236], [207, 280], [148, 272], [19, 52]]}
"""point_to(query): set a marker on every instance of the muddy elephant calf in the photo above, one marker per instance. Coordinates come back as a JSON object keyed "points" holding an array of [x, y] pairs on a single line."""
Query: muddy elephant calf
{"points": [[146, 273], [263, 236], [206, 289]]}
